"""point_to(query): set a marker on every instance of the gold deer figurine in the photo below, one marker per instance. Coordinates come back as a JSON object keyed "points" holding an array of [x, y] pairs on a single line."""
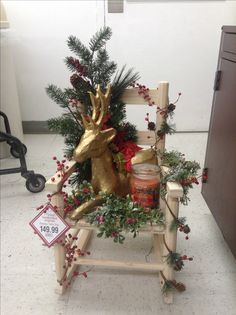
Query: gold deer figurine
{"points": [[94, 144]]}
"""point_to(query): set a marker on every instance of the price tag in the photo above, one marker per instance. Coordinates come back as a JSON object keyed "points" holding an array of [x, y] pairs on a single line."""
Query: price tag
{"points": [[49, 225]]}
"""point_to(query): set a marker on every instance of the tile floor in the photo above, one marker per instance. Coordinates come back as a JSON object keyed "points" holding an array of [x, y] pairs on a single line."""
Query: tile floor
{"points": [[27, 270]]}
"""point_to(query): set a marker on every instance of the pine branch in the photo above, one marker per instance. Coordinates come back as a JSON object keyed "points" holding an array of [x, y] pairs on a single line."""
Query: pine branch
{"points": [[99, 38], [65, 126], [102, 58], [121, 81], [79, 49], [57, 95]]}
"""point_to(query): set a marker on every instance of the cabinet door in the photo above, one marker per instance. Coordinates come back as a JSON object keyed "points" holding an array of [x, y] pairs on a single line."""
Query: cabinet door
{"points": [[220, 189]]}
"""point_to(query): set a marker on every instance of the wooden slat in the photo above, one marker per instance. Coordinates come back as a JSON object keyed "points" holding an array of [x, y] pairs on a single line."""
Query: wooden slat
{"points": [[131, 97], [56, 185], [146, 138], [130, 265]]}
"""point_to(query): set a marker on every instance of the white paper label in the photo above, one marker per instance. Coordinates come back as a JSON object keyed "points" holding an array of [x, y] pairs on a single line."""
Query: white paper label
{"points": [[49, 225]]}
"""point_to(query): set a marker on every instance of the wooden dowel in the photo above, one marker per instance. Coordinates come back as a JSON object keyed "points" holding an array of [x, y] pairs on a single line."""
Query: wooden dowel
{"points": [[119, 264], [163, 90]]}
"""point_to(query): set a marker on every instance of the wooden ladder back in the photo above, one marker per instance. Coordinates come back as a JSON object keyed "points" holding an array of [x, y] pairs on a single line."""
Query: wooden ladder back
{"points": [[160, 97], [83, 230]]}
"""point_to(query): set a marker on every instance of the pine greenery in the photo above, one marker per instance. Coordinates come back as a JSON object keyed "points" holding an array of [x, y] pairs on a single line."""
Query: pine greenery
{"points": [[90, 67]]}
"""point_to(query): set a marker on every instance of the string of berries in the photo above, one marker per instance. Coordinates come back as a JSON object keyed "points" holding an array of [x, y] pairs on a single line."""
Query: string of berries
{"points": [[166, 112], [175, 259], [179, 223], [184, 228], [144, 92]]}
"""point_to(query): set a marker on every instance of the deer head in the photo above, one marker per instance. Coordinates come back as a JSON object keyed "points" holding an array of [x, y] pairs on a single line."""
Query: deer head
{"points": [[94, 141]]}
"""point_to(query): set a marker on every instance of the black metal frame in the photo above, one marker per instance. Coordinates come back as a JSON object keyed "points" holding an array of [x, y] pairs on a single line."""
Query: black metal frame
{"points": [[16, 143]]}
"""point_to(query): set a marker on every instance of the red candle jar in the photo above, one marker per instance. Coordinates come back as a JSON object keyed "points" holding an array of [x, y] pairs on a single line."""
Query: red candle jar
{"points": [[145, 185]]}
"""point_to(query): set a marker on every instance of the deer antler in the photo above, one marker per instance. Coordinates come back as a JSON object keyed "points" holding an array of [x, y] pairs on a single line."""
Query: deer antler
{"points": [[100, 103]]}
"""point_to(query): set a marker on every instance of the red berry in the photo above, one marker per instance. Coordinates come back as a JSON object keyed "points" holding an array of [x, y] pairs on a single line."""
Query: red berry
{"points": [[186, 237], [54, 158], [53, 179]]}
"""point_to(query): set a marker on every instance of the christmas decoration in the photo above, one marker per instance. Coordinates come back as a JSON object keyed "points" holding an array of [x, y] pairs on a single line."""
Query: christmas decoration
{"points": [[104, 146]]}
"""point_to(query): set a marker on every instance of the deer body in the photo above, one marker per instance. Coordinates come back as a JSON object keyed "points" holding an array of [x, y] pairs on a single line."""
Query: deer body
{"points": [[105, 177]]}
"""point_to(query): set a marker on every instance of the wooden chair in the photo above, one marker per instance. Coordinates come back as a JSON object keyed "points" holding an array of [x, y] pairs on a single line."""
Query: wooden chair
{"points": [[161, 237]]}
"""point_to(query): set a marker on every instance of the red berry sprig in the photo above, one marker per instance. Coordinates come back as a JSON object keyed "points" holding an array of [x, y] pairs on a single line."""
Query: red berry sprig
{"points": [[190, 180], [71, 253], [61, 167], [144, 92]]}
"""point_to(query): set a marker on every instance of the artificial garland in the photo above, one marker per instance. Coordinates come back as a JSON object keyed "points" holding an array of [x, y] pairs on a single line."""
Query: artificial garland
{"points": [[118, 215]]}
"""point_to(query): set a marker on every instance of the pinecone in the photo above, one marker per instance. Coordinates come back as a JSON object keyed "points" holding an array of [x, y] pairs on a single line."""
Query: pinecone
{"points": [[74, 80], [178, 285], [186, 229], [151, 126], [171, 107], [178, 265]]}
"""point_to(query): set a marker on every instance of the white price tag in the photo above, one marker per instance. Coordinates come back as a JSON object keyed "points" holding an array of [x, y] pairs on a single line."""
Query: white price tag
{"points": [[49, 225]]}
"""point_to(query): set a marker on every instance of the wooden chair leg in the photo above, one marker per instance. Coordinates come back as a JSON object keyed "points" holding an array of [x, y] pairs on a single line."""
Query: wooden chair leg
{"points": [[59, 250], [59, 255]]}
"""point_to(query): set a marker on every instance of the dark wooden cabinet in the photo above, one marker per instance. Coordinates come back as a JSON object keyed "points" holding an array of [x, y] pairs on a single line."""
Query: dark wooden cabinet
{"points": [[219, 190]]}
